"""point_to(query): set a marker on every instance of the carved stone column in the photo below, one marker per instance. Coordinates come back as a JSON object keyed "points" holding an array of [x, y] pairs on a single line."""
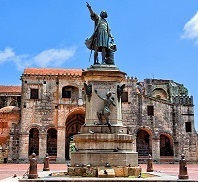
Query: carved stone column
{"points": [[23, 148], [156, 149], [98, 142], [42, 145], [60, 145], [103, 81]]}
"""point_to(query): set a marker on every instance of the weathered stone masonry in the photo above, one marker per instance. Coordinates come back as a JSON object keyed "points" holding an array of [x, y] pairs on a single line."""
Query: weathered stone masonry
{"points": [[159, 114]]}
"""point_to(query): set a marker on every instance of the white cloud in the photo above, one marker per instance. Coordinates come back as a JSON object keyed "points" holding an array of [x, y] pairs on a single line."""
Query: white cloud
{"points": [[23, 61], [191, 29], [55, 57], [6, 55], [47, 58]]}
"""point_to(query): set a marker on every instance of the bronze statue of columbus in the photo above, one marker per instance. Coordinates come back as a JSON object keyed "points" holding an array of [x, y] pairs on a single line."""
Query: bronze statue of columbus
{"points": [[102, 39]]}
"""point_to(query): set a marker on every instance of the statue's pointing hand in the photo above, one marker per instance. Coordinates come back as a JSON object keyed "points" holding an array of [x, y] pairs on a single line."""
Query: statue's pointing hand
{"points": [[88, 5]]}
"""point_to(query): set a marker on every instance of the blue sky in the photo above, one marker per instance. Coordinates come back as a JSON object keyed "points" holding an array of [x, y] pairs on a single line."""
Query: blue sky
{"points": [[155, 39]]}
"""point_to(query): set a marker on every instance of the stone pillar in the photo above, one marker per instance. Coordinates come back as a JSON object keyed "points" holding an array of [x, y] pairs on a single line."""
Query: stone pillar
{"points": [[183, 173], [176, 149], [156, 149], [46, 163], [33, 173], [10, 152], [134, 147], [149, 164], [23, 148], [80, 93], [103, 81], [42, 145], [98, 143], [61, 145]]}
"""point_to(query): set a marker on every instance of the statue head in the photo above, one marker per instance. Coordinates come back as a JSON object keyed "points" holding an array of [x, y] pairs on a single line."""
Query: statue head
{"points": [[103, 14], [108, 94]]}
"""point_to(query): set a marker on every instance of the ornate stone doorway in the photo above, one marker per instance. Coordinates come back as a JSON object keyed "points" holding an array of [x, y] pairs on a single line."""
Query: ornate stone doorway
{"points": [[74, 121], [34, 141], [52, 142], [166, 145], [143, 143]]}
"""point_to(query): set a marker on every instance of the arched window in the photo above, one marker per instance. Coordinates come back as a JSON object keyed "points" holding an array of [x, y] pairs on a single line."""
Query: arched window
{"points": [[160, 93], [70, 92], [67, 91]]}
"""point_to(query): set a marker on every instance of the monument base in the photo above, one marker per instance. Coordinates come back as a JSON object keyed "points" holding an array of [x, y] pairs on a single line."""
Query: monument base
{"points": [[102, 172], [104, 129], [101, 158]]}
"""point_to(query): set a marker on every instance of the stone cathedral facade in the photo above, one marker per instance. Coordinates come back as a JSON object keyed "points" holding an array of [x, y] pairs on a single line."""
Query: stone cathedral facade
{"points": [[48, 109]]}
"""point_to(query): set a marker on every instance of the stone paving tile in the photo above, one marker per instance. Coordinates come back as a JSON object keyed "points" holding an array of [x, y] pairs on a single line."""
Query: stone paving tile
{"points": [[170, 170]]}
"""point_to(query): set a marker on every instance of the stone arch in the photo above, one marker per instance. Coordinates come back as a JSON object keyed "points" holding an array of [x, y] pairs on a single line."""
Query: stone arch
{"points": [[75, 110], [146, 128], [166, 144], [27, 130], [52, 142], [34, 141], [45, 128], [75, 119], [144, 141], [160, 93]]}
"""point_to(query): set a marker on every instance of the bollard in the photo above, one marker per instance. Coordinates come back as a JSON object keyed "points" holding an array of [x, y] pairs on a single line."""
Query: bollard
{"points": [[149, 164], [183, 173], [33, 167], [46, 163]]}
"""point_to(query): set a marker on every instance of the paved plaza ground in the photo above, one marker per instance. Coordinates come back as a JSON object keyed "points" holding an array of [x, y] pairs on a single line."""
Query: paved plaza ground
{"points": [[9, 170]]}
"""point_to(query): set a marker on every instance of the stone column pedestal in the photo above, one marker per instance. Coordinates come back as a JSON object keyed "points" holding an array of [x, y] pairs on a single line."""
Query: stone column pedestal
{"points": [[23, 148], [60, 145], [97, 149], [104, 143], [156, 149], [42, 145]]}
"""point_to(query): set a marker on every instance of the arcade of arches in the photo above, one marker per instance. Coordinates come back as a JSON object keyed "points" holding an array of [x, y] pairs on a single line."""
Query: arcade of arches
{"points": [[144, 143], [51, 141], [73, 124]]}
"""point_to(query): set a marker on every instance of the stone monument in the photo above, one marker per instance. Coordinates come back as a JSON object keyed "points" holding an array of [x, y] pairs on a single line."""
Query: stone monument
{"points": [[103, 139]]}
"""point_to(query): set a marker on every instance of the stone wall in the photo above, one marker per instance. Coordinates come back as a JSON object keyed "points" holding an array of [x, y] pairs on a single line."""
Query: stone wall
{"points": [[49, 110], [170, 118], [173, 113], [9, 119]]}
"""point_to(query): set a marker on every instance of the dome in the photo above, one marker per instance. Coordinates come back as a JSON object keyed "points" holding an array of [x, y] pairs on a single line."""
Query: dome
{"points": [[9, 109]]}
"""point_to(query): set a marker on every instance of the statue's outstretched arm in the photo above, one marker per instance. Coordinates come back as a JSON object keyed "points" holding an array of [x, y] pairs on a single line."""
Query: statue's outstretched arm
{"points": [[90, 9], [98, 95], [112, 101]]}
